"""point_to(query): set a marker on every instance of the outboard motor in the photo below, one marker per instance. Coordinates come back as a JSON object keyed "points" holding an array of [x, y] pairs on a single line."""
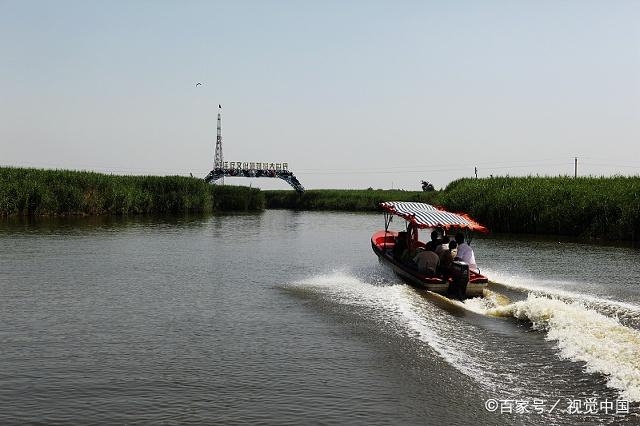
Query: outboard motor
{"points": [[460, 279]]}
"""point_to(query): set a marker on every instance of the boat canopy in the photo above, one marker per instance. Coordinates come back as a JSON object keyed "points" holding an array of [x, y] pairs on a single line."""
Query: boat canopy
{"points": [[427, 216]]}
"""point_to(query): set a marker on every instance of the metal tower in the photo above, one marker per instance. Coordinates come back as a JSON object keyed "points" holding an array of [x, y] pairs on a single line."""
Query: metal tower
{"points": [[218, 160], [248, 169]]}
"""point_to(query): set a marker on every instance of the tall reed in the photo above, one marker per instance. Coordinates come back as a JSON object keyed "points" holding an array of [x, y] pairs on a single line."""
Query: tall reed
{"points": [[341, 199], [27, 191], [600, 207], [593, 207]]}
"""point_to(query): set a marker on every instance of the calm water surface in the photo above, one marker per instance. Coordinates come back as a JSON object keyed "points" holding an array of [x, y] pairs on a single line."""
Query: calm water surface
{"points": [[287, 317]]}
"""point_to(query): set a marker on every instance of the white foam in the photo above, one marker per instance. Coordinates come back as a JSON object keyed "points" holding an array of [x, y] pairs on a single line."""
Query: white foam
{"points": [[479, 305], [583, 334], [629, 313], [550, 287]]}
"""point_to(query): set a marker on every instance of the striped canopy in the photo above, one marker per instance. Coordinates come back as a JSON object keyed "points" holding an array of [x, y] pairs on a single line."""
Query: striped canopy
{"points": [[428, 216]]}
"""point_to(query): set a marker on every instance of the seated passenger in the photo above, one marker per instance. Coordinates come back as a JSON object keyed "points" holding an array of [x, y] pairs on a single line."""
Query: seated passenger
{"points": [[443, 246], [408, 257], [435, 241], [409, 254], [446, 258], [427, 262], [400, 244], [465, 253]]}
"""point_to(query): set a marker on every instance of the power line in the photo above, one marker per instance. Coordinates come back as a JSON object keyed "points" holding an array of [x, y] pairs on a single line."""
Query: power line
{"points": [[611, 165], [372, 171], [461, 165]]}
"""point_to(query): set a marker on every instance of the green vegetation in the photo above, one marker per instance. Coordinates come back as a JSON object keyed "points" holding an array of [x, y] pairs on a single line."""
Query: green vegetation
{"points": [[63, 192], [236, 198], [607, 208], [342, 199]]}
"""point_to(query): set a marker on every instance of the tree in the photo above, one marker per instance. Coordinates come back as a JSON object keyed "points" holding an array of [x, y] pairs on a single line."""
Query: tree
{"points": [[427, 186]]}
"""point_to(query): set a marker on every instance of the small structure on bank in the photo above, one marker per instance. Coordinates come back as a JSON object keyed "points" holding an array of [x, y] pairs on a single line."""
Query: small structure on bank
{"points": [[222, 169]]}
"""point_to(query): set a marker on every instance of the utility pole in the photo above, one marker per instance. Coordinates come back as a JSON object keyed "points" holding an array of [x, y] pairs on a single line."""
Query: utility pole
{"points": [[575, 167], [476, 171]]}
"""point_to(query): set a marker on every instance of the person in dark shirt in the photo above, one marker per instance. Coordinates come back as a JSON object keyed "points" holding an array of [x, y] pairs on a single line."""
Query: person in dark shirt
{"points": [[446, 258], [400, 244], [427, 262], [434, 243]]}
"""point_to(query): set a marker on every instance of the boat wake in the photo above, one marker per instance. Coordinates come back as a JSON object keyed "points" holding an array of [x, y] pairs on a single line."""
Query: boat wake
{"points": [[581, 333], [399, 308], [601, 333], [627, 313]]}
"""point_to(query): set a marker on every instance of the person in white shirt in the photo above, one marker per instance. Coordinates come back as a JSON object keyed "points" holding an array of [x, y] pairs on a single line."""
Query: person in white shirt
{"points": [[465, 253]]}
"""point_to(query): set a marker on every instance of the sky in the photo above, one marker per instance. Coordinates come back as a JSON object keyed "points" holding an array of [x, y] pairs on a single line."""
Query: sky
{"points": [[352, 94]]}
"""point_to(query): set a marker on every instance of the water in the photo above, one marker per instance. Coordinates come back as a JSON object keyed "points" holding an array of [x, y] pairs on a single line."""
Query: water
{"points": [[287, 317]]}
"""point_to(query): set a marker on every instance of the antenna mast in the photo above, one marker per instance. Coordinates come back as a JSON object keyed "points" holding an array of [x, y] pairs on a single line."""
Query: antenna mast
{"points": [[218, 160]]}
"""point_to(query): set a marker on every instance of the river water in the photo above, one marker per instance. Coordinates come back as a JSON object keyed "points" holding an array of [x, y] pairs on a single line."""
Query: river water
{"points": [[286, 317]]}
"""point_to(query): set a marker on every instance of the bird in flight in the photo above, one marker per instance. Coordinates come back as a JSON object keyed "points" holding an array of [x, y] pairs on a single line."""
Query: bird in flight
{"points": [[198, 84]]}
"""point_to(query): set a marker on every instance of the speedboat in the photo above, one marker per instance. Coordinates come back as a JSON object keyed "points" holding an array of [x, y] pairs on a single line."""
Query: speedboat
{"points": [[460, 282]]}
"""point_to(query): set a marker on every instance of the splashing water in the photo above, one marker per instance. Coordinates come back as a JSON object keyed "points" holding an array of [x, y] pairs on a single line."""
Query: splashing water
{"points": [[600, 302], [583, 334], [403, 309]]}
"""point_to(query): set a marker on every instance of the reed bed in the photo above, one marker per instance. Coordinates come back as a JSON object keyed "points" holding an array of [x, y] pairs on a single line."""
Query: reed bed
{"points": [[594, 207], [589, 207], [27, 191], [341, 199]]}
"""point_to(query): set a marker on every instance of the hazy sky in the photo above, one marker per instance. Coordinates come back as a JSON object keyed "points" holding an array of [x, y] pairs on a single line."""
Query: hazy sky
{"points": [[350, 93]]}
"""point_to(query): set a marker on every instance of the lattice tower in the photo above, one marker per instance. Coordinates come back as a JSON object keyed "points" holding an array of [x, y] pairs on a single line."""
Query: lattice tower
{"points": [[218, 160]]}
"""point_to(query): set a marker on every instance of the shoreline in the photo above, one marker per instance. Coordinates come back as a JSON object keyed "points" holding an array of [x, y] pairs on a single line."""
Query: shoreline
{"points": [[597, 208], [589, 208]]}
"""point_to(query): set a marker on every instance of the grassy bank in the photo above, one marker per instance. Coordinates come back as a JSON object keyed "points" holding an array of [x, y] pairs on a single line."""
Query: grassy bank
{"points": [[607, 208], [63, 192], [341, 199]]}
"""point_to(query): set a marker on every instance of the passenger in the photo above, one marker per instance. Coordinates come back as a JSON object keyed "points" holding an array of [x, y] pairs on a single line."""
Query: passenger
{"points": [[431, 245], [427, 262], [447, 257], [400, 244], [443, 246], [402, 250], [409, 254], [434, 243], [412, 237], [465, 253]]}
